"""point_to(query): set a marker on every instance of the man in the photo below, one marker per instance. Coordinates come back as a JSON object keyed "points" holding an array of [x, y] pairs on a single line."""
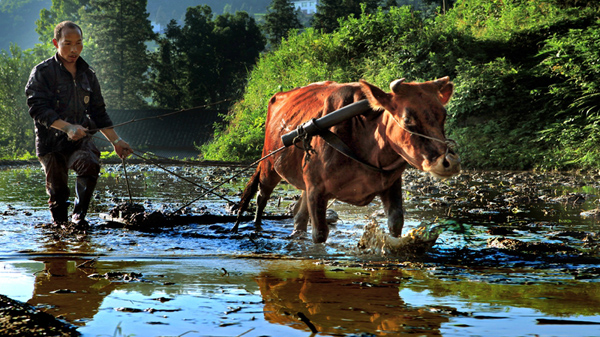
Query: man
{"points": [[65, 102]]}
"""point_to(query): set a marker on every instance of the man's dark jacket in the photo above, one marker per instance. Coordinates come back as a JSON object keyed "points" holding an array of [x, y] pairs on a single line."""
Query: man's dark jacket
{"points": [[53, 93]]}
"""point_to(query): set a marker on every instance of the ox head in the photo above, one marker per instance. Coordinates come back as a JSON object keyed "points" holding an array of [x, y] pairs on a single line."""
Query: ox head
{"points": [[413, 117]]}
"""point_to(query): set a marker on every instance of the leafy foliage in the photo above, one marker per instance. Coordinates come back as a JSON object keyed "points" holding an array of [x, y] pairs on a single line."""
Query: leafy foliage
{"points": [[61, 10], [280, 19], [206, 59], [572, 60], [117, 32], [525, 95], [329, 11], [16, 129], [17, 22], [525, 72]]}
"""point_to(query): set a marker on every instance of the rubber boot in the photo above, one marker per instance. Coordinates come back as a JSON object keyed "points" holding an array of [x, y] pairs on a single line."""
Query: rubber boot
{"points": [[84, 189], [59, 213]]}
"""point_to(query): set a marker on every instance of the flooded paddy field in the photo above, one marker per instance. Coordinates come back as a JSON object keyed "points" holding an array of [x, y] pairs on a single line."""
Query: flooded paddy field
{"points": [[518, 255]]}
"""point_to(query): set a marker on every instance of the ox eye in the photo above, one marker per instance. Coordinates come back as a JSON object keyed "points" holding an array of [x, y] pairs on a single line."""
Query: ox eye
{"points": [[408, 121]]}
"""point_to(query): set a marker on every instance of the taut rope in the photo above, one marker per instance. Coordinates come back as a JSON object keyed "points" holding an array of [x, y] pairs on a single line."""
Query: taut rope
{"points": [[450, 143]]}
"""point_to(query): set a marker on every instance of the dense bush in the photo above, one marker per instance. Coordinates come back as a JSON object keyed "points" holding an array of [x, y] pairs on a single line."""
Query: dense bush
{"points": [[523, 70], [573, 59], [16, 130]]}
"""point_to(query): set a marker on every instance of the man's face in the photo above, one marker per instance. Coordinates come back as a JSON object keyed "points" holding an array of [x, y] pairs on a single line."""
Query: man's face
{"points": [[70, 45]]}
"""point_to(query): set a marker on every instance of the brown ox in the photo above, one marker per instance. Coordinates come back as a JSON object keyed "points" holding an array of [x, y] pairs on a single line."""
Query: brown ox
{"points": [[404, 126]]}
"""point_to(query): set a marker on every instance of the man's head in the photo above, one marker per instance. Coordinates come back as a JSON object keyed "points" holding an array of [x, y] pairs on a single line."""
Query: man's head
{"points": [[68, 40]]}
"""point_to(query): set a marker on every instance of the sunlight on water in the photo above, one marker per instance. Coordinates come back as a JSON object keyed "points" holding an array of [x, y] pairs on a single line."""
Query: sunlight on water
{"points": [[201, 279]]}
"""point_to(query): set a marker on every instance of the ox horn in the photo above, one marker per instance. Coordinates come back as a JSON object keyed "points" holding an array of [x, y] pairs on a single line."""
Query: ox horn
{"points": [[440, 82], [395, 85]]}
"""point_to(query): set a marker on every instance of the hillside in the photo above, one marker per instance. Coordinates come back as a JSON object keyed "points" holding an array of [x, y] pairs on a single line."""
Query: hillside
{"points": [[17, 21]]}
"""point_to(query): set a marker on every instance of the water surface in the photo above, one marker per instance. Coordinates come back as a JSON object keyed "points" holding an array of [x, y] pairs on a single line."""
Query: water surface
{"points": [[200, 280]]}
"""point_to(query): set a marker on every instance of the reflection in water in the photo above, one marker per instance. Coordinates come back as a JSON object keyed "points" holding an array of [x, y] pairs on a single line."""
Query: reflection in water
{"points": [[336, 301], [229, 296], [501, 292], [66, 291], [63, 288]]}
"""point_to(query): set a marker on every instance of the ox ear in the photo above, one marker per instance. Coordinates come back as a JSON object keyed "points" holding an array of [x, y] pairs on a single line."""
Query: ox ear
{"points": [[377, 97], [446, 89]]}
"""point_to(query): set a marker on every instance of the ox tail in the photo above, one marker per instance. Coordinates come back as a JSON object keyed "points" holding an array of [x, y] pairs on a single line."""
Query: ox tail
{"points": [[249, 192]]}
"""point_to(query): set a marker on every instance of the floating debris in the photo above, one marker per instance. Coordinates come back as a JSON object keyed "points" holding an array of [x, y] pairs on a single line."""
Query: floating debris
{"points": [[63, 291], [118, 276], [595, 213], [529, 247], [416, 242], [136, 216], [126, 209]]}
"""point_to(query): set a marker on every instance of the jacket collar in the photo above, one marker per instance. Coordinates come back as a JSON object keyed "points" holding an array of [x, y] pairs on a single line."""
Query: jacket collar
{"points": [[82, 66]]}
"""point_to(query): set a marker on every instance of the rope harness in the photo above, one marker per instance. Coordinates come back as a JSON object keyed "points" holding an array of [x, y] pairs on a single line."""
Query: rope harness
{"points": [[303, 136], [450, 143], [335, 142]]}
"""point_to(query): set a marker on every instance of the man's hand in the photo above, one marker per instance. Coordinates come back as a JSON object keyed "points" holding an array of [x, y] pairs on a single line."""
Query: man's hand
{"points": [[75, 132], [122, 148]]}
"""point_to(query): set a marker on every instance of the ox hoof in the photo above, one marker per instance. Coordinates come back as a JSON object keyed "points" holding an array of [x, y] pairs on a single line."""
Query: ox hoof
{"points": [[320, 237], [298, 234]]}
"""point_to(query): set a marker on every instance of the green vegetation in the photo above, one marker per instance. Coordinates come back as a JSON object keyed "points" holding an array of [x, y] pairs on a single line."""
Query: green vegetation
{"points": [[329, 11], [527, 94], [525, 71], [205, 60], [16, 129], [281, 17], [182, 68]]}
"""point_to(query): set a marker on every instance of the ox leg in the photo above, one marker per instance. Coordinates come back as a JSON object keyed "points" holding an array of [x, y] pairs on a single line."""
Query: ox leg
{"points": [[301, 216], [317, 207], [263, 181], [392, 204], [264, 193]]}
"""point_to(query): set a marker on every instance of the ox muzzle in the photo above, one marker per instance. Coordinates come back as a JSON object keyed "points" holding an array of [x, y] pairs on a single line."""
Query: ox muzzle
{"points": [[446, 165]]}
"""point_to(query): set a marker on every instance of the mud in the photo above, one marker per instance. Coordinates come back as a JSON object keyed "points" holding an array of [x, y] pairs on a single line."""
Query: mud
{"points": [[20, 319], [485, 253], [134, 216]]}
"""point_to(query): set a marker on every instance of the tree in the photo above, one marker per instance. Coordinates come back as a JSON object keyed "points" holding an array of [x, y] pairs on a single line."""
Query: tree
{"points": [[389, 3], [280, 19], [187, 61], [16, 130], [444, 5], [206, 59], [238, 43], [117, 32], [166, 77], [60, 10], [329, 11]]}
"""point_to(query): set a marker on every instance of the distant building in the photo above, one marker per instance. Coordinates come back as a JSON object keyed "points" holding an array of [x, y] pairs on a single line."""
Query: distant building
{"points": [[306, 6]]}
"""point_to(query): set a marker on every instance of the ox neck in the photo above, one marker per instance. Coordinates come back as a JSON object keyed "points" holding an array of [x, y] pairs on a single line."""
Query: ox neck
{"points": [[382, 159], [399, 163], [386, 157]]}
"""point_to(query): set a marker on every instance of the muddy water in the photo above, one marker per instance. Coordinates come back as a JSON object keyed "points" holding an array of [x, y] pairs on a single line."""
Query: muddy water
{"points": [[200, 280]]}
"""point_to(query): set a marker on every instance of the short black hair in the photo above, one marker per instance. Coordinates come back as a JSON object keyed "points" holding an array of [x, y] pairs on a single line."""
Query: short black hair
{"points": [[65, 24]]}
